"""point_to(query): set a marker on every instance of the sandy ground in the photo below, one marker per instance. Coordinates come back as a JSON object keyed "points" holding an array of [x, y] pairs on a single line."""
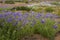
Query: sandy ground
{"points": [[34, 37], [57, 36], [39, 37], [12, 5]]}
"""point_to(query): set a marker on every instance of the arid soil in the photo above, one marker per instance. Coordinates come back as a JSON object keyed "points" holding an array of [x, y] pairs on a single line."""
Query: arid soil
{"points": [[34, 37], [39, 37], [57, 36], [11, 5]]}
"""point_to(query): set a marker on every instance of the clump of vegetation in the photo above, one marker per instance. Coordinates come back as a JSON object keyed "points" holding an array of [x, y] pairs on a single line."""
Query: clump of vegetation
{"points": [[37, 9], [58, 13], [1, 9], [9, 2], [55, 3], [49, 9], [22, 8]]}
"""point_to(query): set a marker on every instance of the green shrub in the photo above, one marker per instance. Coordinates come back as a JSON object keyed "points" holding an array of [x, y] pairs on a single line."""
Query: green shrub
{"points": [[49, 9], [45, 29], [55, 3], [5, 9], [25, 1], [8, 33], [22, 8], [17, 1], [9, 2], [37, 9]]}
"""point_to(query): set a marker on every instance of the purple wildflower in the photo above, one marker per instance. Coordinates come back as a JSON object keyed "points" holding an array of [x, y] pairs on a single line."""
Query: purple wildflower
{"points": [[19, 19], [32, 13], [54, 26], [49, 15], [9, 19], [25, 22], [38, 16], [25, 15], [42, 21], [33, 22], [57, 16], [1, 15]]}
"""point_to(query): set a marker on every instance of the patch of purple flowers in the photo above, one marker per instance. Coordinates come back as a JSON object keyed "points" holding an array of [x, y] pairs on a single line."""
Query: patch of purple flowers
{"points": [[24, 17]]}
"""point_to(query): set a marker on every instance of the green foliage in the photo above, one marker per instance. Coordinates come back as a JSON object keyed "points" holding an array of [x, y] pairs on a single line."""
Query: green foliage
{"points": [[55, 3], [37, 9], [8, 32], [44, 29], [25, 1], [9, 2], [5, 9], [1, 9], [49, 9], [22, 8], [26, 31]]}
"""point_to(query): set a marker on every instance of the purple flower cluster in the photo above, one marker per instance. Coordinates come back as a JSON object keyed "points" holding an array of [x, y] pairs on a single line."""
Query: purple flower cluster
{"points": [[24, 18], [49, 15]]}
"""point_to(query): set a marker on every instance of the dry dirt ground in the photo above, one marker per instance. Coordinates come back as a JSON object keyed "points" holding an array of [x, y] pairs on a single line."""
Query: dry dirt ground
{"points": [[57, 36], [34, 37], [12, 5], [39, 37]]}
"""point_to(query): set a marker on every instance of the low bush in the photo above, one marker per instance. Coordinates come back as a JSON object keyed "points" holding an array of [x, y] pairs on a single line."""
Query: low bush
{"points": [[1, 9], [55, 3], [9, 2], [22, 8], [49, 9]]}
